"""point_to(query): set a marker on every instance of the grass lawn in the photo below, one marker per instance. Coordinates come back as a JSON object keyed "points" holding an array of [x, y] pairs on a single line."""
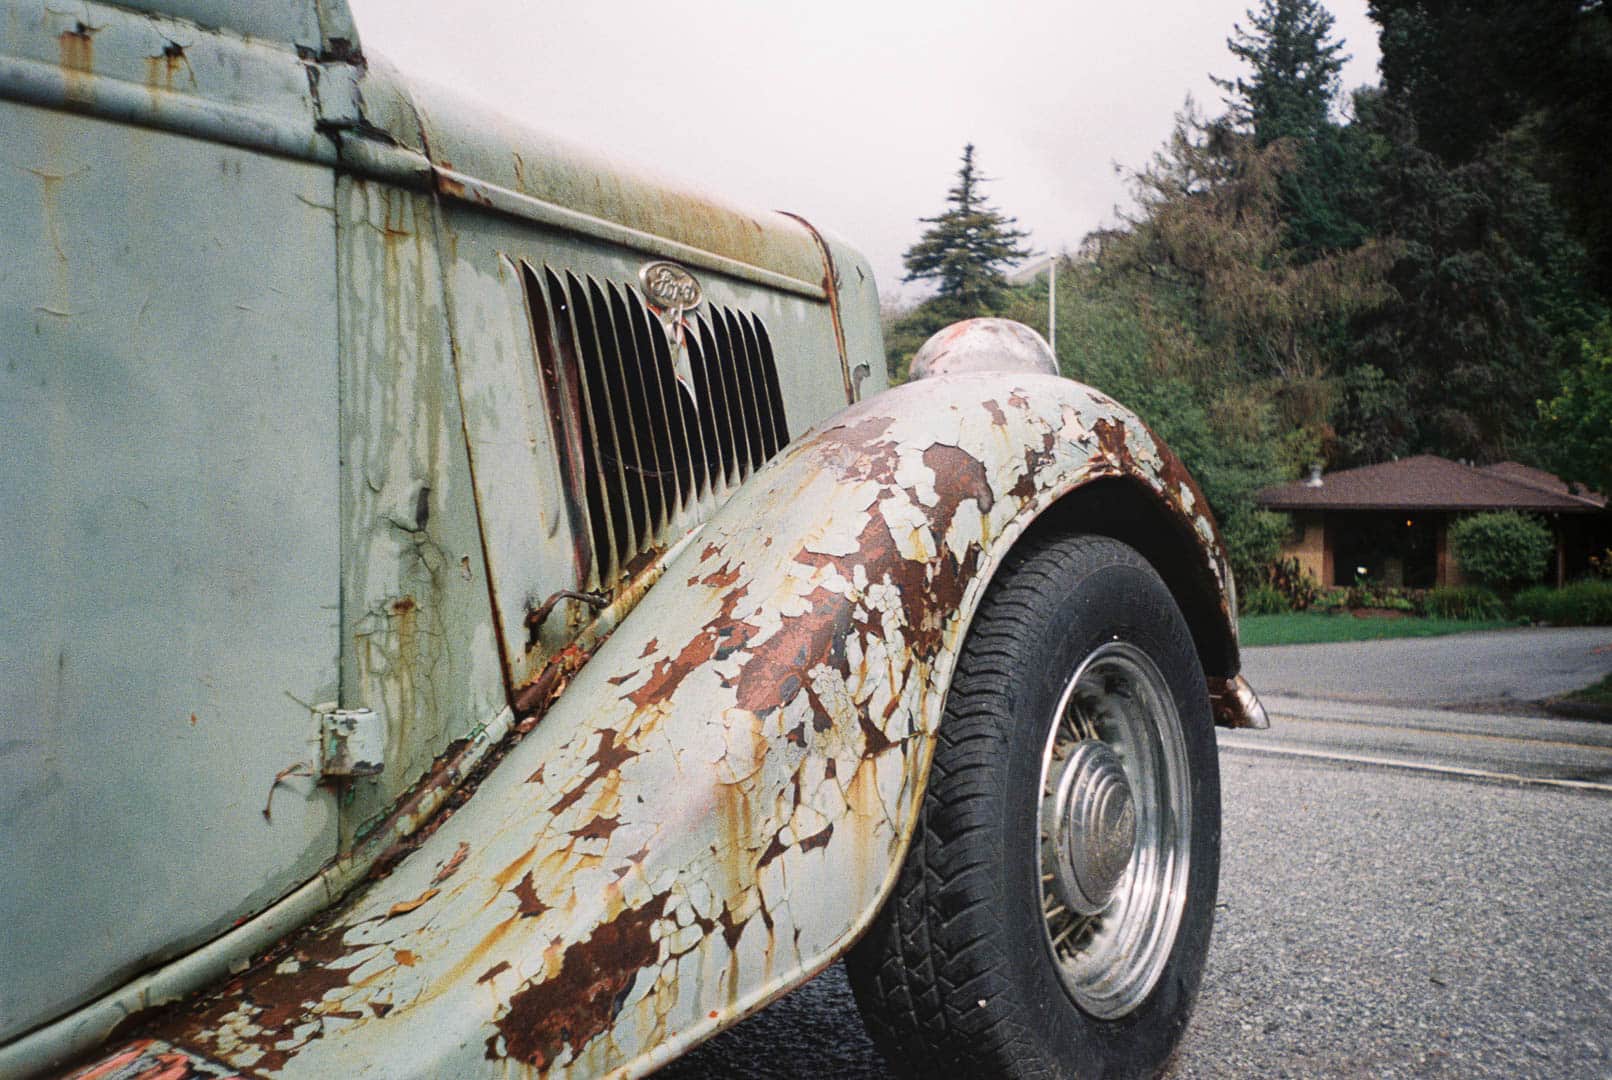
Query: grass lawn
{"points": [[1599, 694], [1313, 628]]}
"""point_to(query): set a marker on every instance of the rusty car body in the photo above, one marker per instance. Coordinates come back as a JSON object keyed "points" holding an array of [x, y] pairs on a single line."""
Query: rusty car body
{"points": [[427, 648]]}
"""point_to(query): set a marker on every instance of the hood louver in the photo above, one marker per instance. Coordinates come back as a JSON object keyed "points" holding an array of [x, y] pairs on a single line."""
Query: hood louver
{"points": [[644, 456]]}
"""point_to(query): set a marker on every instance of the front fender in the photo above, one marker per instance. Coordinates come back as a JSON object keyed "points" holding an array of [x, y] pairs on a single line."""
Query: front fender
{"points": [[716, 806]]}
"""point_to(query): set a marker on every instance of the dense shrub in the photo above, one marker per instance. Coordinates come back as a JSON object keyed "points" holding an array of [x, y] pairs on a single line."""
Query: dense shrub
{"points": [[1465, 602], [1290, 579], [1583, 603], [1601, 565], [1504, 549], [1363, 594], [1253, 540], [1330, 600], [1379, 599], [1264, 600]]}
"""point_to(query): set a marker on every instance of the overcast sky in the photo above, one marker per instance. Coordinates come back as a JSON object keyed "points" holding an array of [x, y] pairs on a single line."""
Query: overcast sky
{"points": [[850, 112]]}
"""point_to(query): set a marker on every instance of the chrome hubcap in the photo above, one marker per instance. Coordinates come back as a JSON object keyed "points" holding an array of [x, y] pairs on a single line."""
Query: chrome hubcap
{"points": [[1115, 830], [1093, 827]]}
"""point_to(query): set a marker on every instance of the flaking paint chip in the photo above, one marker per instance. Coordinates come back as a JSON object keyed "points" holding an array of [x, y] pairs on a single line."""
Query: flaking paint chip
{"points": [[452, 864], [403, 907]]}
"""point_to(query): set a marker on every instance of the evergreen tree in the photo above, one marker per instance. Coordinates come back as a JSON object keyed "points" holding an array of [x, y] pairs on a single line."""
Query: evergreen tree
{"points": [[1544, 66], [1578, 421], [1295, 64], [1480, 294], [1294, 70], [967, 246]]}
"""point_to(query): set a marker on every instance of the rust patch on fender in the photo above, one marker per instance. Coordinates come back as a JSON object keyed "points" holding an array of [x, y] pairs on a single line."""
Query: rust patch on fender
{"points": [[1111, 439], [927, 598], [76, 48], [959, 476], [723, 633], [583, 998], [777, 669], [525, 893], [606, 758], [599, 828], [721, 579], [817, 839], [774, 849], [282, 990], [859, 451], [1175, 476]]}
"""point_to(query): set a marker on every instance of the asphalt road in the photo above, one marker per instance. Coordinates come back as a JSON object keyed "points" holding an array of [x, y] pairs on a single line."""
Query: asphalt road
{"points": [[1404, 891], [1391, 923], [1512, 668]]}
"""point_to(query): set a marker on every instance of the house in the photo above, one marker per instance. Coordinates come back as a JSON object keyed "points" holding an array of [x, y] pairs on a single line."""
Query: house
{"points": [[1389, 523]]}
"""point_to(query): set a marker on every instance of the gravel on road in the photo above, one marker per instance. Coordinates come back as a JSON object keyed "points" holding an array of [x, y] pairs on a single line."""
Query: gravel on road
{"points": [[1505, 668], [1387, 924]]}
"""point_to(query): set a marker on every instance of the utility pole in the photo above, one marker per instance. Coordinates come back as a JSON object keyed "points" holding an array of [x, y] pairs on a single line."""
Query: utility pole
{"points": [[1052, 306]]}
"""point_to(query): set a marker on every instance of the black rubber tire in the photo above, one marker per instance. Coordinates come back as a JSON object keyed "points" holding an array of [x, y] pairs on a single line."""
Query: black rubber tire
{"points": [[955, 977]]}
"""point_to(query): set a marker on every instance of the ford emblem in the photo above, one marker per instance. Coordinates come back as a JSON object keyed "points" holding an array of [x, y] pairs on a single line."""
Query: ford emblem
{"points": [[669, 286]]}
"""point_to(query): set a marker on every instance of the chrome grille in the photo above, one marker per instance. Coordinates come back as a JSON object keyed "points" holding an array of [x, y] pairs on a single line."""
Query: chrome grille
{"points": [[645, 458]]}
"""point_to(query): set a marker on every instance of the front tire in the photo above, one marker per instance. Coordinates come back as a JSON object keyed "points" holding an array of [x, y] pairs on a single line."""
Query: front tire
{"points": [[1052, 917]]}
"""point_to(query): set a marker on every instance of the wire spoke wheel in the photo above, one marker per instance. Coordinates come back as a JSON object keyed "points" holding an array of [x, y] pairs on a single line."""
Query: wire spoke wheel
{"points": [[1115, 830]]}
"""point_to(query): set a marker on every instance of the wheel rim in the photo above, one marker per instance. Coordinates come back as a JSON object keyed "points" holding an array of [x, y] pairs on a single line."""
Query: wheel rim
{"points": [[1115, 830]]}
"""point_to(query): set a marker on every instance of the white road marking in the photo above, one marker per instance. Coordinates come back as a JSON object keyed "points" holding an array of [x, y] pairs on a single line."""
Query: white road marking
{"points": [[1448, 733], [1232, 742]]}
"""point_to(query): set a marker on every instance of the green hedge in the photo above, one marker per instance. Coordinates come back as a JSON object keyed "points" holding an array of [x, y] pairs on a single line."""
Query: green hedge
{"points": [[1583, 603], [1465, 602], [1502, 548], [1265, 600]]}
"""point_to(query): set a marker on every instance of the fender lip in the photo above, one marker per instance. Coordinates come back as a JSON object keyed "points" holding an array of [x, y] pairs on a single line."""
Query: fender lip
{"points": [[719, 803]]}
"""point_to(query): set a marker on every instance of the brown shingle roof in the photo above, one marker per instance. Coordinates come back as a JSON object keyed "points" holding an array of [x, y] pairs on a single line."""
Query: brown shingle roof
{"points": [[1539, 478], [1426, 482]]}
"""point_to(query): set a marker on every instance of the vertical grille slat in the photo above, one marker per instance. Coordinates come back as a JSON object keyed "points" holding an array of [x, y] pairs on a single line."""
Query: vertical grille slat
{"points": [[775, 394], [730, 387], [744, 358], [623, 399], [729, 374], [687, 449], [643, 458], [705, 396], [558, 306], [558, 376], [608, 474], [714, 389], [758, 379], [648, 403]]}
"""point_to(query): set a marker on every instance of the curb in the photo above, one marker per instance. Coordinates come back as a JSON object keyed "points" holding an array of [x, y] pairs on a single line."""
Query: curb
{"points": [[1579, 710]]}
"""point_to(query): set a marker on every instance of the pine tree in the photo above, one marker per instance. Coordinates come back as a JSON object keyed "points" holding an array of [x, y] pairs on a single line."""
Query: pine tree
{"points": [[1295, 65], [967, 246], [1470, 72]]}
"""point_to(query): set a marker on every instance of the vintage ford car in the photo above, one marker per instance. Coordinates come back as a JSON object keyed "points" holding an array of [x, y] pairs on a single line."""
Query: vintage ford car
{"points": [[472, 609]]}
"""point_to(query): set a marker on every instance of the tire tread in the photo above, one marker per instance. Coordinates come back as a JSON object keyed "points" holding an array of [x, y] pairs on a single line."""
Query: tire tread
{"points": [[921, 972]]}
